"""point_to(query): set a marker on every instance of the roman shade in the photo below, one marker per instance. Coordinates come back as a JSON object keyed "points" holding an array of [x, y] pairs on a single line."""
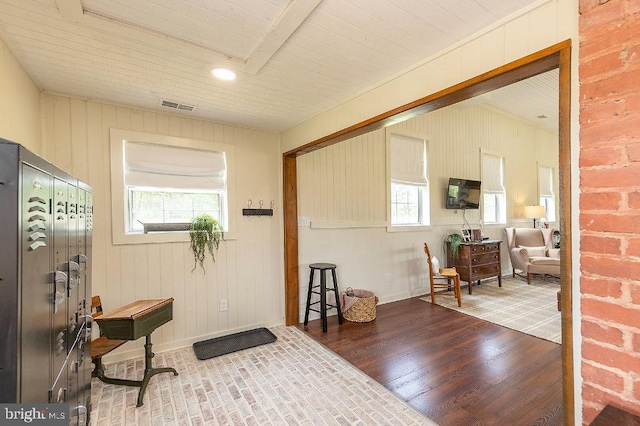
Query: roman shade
{"points": [[162, 166], [408, 160], [492, 174], [545, 181]]}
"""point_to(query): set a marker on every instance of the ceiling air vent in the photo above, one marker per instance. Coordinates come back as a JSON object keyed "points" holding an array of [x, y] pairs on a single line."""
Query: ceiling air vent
{"points": [[176, 105]]}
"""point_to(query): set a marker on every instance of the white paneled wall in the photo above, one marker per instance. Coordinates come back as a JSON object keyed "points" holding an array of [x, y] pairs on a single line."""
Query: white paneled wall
{"points": [[345, 182], [343, 190], [248, 270]]}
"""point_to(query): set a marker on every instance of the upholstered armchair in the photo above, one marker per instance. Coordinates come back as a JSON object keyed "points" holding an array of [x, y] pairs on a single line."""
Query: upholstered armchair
{"points": [[531, 251]]}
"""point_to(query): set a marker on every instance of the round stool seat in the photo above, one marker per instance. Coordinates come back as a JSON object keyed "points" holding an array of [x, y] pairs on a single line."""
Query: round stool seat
{"points": [[322, 266]]}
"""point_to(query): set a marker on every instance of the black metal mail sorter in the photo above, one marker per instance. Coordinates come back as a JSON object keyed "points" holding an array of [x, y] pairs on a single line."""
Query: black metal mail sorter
{"points": [[45, 283]]}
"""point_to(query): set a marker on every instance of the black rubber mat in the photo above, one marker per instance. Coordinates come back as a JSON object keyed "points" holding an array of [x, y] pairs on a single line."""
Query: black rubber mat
{"points": [[233, 342]]}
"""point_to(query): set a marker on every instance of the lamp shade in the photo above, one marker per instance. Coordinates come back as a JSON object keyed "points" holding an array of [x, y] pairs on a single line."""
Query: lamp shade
{"points": [[534, 212]]}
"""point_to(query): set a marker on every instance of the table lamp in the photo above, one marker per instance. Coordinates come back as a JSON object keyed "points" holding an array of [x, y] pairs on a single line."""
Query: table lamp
{"points": [[534, 212]]}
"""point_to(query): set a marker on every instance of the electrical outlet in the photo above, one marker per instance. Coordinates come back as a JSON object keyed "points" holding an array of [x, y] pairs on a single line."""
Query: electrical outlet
{"points": [[223, 305], [388, 277], [304, 221]]}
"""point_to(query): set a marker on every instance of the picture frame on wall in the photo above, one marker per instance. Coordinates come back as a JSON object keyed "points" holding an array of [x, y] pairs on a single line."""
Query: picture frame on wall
{"points": [[466, 235]]}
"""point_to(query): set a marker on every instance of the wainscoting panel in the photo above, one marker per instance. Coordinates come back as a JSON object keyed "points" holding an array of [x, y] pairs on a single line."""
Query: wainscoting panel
{"points": [[248, 269]]}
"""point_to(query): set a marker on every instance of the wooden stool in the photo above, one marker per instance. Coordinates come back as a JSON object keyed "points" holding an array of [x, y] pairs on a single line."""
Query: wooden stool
{"points": [[323, 268]]}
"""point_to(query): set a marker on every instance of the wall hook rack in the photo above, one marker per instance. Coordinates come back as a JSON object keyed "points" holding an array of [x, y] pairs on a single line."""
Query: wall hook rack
{"points": [[259, 211]]}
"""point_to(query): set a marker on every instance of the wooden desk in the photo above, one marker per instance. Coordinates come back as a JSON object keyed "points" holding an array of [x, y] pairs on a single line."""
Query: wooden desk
{"points": [[131, 322], [477, 261]]}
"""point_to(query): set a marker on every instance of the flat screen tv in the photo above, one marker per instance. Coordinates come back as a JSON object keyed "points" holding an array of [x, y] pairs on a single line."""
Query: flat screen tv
{"points": [[463, 194]]}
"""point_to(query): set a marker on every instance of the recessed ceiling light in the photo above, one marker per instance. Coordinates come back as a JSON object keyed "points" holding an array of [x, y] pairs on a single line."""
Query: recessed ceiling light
{"points": [[223, 74]]}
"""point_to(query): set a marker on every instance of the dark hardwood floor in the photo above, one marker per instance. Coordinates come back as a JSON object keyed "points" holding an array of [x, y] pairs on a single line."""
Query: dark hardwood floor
{"points": [[455, 369]]}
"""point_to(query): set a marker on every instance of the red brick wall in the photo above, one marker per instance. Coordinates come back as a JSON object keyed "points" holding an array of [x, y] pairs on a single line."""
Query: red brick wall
{"points": [[610, 204]]}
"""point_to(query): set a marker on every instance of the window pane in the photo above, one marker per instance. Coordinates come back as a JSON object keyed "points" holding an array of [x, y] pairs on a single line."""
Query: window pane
{"points": [[147, 200], [177, 201], [550, 208], [413, 196], [412, 213], [403, 213], [490, 210], [203, 202], [501, 208], [148, 206], [401, 195], [405, 204]]}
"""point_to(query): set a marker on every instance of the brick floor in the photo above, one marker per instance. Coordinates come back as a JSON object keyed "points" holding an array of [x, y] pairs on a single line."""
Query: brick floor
{"points": [[294, 381]]}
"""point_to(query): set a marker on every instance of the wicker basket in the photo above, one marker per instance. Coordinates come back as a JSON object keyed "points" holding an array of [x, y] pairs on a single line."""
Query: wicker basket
{"points": [[364, 309]]}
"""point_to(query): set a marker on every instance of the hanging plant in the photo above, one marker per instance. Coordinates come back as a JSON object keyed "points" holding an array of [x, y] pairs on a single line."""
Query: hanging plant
{"points": [[454, 241], [205, 234]]}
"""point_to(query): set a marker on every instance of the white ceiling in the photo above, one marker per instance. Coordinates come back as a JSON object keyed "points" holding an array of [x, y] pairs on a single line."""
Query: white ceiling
{"points": [[295, 59], [535, 99]]}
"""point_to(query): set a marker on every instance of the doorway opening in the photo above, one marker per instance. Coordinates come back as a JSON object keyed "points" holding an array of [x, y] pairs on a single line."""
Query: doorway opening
{"points": [[554, 57]]}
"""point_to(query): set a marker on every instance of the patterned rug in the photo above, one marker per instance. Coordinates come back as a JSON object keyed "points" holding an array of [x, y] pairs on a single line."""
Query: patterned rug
{"points": [[531, 309]]}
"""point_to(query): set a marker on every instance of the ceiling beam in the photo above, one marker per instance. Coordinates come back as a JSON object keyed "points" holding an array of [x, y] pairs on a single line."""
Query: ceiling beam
{"points": [[71, 10], [292, 17], [288, 22], [107, 25]]}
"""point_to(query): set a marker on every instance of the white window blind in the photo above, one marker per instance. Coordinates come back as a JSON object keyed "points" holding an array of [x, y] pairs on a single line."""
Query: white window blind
{"points": [[162, 166], [408, 159], [545, 181], [492, 174]]}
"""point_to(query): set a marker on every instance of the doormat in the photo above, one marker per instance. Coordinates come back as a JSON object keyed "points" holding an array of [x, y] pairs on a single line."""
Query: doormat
{"points": [[232, 343]]}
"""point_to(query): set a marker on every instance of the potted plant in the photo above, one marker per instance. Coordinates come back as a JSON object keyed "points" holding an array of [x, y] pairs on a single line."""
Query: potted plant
{"points": [[454, 241], [205, 234]]}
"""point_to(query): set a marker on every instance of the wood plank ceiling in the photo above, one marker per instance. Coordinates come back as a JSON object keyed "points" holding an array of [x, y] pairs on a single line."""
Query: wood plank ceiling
{"points": [[295, 59]]}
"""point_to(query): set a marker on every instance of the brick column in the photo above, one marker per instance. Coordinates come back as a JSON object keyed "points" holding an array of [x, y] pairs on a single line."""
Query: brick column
{"points": [[610, 204]]}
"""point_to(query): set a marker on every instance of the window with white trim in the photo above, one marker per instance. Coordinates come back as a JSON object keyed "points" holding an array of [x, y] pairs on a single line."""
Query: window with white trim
{"points": [[494, 199], [547, 195], [159, 183], [409, 183], [167, 184]]}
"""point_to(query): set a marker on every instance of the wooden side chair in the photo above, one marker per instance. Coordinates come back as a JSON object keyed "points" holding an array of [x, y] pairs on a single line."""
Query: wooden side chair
{"points": [[443, 278], [101, 345]]}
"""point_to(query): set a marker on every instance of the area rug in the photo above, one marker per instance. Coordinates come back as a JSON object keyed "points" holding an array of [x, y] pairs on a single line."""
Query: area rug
{"points": [[530, 309]]}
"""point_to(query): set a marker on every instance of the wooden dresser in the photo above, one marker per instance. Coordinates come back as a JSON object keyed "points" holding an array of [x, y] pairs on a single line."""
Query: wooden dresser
{"points": [[477, 261]]}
